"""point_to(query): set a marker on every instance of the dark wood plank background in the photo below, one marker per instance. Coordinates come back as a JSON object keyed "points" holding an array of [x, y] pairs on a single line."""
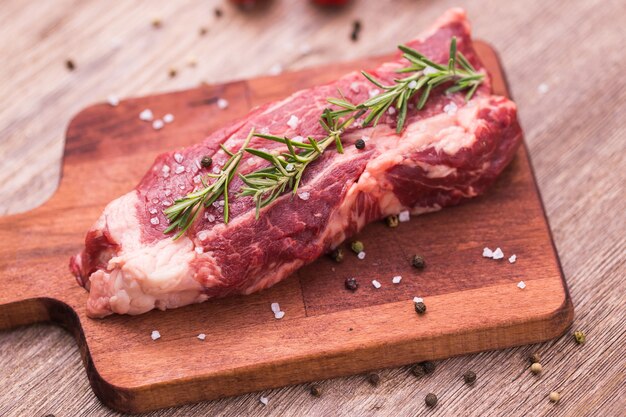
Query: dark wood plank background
{"points": [[574, 125]]}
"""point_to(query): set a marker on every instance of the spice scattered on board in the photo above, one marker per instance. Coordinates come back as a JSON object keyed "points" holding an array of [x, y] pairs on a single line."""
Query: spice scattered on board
{"points": [[157, 23], [580, 337], [351, 284], [469, 377], [555, 396], [418, 262], [536, 368], [392, 221], [429, 366], [420, 307], [218, 12], [356, 30], [337, 255], [534, 358], [373, 378], [172, 72], [431, 400], [69, 64], [418, 370], [315, 390]]}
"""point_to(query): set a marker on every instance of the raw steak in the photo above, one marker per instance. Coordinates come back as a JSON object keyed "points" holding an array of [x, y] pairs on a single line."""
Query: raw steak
{"points": [[448, 152]]}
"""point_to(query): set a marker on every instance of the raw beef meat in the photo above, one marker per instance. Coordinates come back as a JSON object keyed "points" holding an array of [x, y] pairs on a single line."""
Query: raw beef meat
{"points": [[448, 152]]}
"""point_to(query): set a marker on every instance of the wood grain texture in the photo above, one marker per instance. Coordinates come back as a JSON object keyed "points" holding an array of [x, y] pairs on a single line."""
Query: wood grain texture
{"points": [[328, 331], [575, 134]]}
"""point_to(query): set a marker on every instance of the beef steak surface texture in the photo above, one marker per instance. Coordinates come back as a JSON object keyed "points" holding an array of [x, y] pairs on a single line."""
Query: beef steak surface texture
{"points": [[449, 151]]}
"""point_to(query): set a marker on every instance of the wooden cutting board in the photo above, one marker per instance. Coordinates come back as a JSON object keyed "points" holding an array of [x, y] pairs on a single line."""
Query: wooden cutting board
{"points": [[473, 303]]}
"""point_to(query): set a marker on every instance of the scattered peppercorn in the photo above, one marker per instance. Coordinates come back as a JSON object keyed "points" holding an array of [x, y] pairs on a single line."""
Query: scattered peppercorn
{"points": [[373, 378], [359, 144], [172, 72], [431, 400], [392, 221], [420, 308], [580, 337], [429, 366], [534, 358], [418, 370], [469, 377], [357, 246], [157, 23], [315, 390], [203, 31], [418, 262], [555, 396], [218, 12], [536, 368], [356, 30], [337, 255], [352, 284], [206, 161], [69, 64]]}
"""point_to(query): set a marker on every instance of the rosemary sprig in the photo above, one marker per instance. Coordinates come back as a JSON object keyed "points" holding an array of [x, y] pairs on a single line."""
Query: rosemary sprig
{"points": [[185, 210]]}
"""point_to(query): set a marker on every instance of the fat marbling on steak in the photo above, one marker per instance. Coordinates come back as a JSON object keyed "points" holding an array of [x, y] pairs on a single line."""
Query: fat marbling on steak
{"points": [[448, 152]]}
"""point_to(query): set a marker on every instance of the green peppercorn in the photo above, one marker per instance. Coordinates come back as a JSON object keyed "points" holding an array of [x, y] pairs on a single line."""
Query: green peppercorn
{"points": [[359, 144], [418, 262], [337, 255], [392, 221], [429, 366], [352, 284], [315, 390], [580, 337], [357, 246], [206, 161], [431, 400], [536, 368], [420, 308], [373, 378], [534, 358], [469, 377], [418, 370]]}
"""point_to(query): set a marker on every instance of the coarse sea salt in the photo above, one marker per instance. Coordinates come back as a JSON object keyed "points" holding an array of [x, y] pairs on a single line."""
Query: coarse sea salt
{"points": [[543, 88], [275, 307], [293, 121], [374, 92], [201, 336], [304, 195], [289, 167], [179, 169], [199, 249], [429, 70], [222, 103], [154, 220], [498, 254], [276, 69], [178, 157], [376, 284], [450, 109], [512, 259], [155, 335], [113, 100], [521, 285], [157, 124], [412, 84], [487, 253], [361, 255], [146, 115], [355, 87], [168, 118], [391, 110], [210, 218], [216, 170], [264, 400], [404, 216], [418, 300], [279, 315], [153, 210], [202, 235], [396, 279], [298, 139]]}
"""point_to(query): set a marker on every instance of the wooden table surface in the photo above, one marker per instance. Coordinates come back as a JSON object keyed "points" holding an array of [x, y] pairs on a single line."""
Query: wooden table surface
{"points": [[565, 66]]}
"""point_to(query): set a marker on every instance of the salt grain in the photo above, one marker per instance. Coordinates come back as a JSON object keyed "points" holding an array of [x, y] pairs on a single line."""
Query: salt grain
{"points": [[304, 195], [168, 118], [179, 169], [211, 218], [154, 220], [199, 249], [197, 179], [298, 139], [202, 235], [361, 255], [396, 279], [355, 87], [521, 285], [168, 192], [153, 211], [293, 121], [113, 100], [543, 88], [216, 170], [450, 109], [222, 103], [146, 115], [165, 168], [512, 259], [279, 315], [374, 92], [391, 110], [201, 336], [429, 70], [404, 216], [289, 167], [155, 335], [275, 307], [412, 84], [487, 253], [264, 400], [166, 203], [178, 157], [157, 124], [498, 254], [376, 284], [418, 300], [276, 69]]}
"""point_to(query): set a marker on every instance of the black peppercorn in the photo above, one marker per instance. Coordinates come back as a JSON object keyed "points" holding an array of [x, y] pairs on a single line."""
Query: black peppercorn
{"points": [[429, 366], [418, 262], [337, 255], [206, 161], [70, 65], [373, 378], [218, 12], [351, 284], [431, 400], [418, 370], [315, 390], [356, 29], [469, 377], [534, 358], [359, 144], [420, 308], [392, 221]]}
